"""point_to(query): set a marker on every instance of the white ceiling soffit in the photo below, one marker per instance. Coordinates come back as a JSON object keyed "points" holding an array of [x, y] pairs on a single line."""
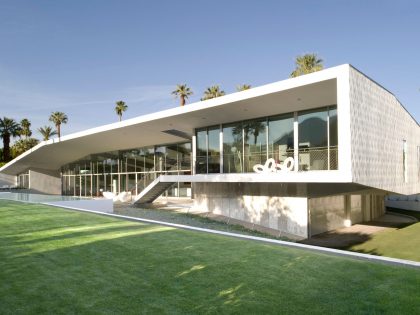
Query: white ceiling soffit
{"points": [[309, 91]]}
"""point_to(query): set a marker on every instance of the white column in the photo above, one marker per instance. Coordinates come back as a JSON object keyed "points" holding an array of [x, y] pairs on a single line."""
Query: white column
{"points": [[194, 153], [296, 141], [221, 148]]}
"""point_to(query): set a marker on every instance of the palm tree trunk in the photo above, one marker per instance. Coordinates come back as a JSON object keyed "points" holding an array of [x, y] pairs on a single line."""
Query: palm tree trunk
{"points": [[120, 116], [58, 130], [6, 148], [182, 99]]}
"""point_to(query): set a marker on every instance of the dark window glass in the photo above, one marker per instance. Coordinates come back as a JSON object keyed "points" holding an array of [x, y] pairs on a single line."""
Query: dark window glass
{"points": [[232, 148], [255, 136], [280, 137], [201, 157], [214, 150], [333, 137], [313, 140]]}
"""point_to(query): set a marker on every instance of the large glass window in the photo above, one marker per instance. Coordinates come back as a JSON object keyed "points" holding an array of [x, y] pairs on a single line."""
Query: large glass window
{"points": [[255, 143], [232, 148], [117, 171], [313, 140], [333, 127], [318, 139], [201, 152], [280, 137], [184, 156], [214, 150], [171, 161]]}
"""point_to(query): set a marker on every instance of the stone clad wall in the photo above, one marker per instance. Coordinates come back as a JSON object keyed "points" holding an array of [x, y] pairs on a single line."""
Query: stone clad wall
{"points": [[260, 204], [379, 124]]}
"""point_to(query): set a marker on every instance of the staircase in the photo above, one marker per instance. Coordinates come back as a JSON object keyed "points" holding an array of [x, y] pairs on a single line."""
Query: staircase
{"points": [[152, 191]]}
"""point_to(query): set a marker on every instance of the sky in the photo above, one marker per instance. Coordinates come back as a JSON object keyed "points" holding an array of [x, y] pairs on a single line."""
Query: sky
{"points": [[81, 56]]}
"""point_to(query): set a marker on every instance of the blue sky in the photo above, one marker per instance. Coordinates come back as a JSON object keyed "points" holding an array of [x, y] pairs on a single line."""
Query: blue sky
{"points": [[80, 57]]}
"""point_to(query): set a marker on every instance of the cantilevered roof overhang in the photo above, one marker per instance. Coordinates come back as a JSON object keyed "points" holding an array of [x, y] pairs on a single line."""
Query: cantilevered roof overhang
{"points": [[305, 92]]}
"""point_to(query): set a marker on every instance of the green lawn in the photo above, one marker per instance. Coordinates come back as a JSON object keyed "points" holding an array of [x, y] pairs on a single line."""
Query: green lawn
{"points": [[401, 243], [58, 261]]}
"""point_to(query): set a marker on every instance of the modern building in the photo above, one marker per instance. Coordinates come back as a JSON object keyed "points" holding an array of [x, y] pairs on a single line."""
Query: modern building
{"points": [[299, 156]]}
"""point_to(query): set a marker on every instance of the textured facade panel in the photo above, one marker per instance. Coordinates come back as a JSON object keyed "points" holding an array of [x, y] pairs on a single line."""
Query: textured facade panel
{"points": [[379, 125]]}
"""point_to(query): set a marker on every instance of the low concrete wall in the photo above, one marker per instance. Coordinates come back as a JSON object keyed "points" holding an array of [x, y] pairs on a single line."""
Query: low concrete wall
{"points": [[256, 204], [45, 182], [102, 205], [412, 205]]}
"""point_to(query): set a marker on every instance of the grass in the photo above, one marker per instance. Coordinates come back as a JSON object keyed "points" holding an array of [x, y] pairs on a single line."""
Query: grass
{"points": [[58, 261], [188, 219], [401, 242]]}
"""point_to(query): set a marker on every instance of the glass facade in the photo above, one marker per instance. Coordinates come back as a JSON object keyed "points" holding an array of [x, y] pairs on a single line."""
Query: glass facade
{"points": [[23, 180], [127, 170], [229, 148], [248, 143], [280, 137], [232, 148]]}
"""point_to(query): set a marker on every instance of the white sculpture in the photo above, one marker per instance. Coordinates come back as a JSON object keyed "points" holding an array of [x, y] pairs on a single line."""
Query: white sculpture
{"points": [[271, 166], [123, 196]]}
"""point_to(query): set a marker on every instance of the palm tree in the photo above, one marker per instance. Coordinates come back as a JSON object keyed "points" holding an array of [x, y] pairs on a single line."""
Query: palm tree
{"points": [[306, 64], [47, 132], [212, 92], [182, 91], [22, 146], [8, 128], [120, 108], [242, 87], [58, 118], [25, 125]]}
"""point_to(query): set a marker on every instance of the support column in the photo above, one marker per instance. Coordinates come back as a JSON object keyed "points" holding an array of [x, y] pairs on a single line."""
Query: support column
{"points": [[296, 141]]}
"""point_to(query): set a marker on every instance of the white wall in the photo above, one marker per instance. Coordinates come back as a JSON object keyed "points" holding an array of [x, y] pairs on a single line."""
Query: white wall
{"points": [[379, 124], [404, 202]]}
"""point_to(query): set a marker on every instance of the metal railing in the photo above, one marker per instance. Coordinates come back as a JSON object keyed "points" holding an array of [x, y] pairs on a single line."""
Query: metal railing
{"points": [[318, 158]]}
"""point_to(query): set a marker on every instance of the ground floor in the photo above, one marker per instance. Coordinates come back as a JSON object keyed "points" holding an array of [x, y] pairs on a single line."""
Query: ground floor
{"points": [[294, 211]]}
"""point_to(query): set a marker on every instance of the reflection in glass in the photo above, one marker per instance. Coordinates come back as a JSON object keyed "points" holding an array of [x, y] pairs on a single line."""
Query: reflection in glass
{"points": [[214, 150], [333, 137], [255, 143], [280, 137], [201, 152], [232, 148], [313, 140]]}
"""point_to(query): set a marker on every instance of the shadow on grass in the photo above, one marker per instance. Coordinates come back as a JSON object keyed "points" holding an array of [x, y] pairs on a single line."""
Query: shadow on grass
{"points": [[337, 240], [373, 251], [186, 272]]}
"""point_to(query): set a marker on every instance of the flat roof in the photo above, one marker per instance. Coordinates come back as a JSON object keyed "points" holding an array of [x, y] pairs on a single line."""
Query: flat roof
{"points": [[309, 91]]}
